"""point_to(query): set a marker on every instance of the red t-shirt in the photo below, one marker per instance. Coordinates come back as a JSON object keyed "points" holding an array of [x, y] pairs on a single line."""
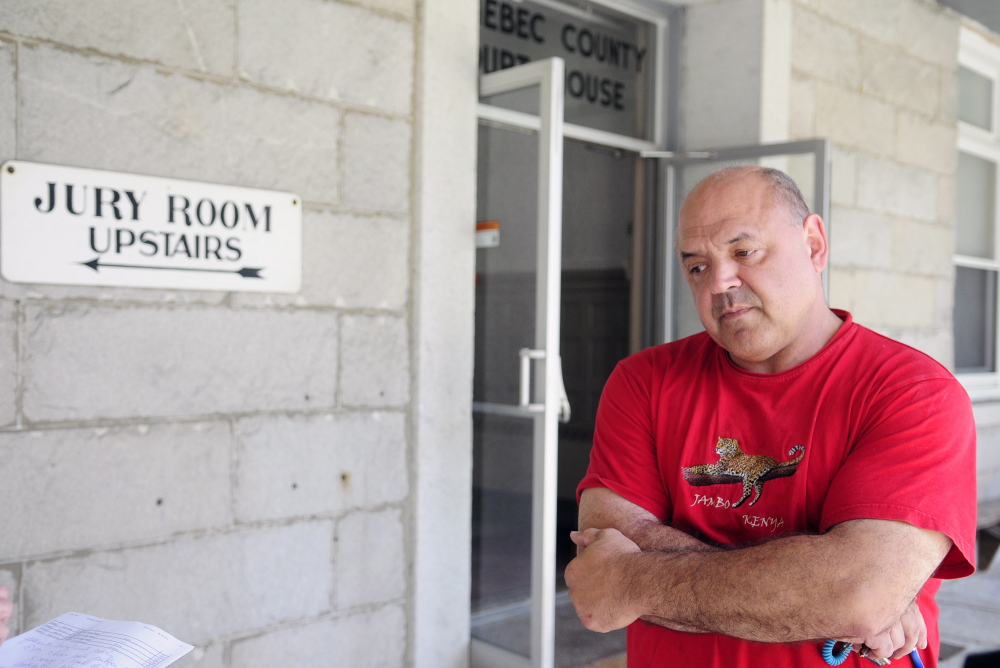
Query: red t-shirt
{"points": [[871, 428]]}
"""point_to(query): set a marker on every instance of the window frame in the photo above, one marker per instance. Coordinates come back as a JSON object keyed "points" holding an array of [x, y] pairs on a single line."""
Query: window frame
{"points": [[983, 58]]}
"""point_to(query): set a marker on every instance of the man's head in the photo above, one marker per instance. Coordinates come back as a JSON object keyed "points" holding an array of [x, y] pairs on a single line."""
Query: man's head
{"points": [[753, 256]]}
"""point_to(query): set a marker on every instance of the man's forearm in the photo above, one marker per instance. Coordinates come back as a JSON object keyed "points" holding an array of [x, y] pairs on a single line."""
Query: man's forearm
{"points": [[656, 537], [601, 508], [852, 582], [791, 589]]}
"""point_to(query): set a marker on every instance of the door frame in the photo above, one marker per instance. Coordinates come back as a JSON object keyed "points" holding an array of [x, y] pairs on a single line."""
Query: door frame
{"points": [[665, 252], [548, 76]]}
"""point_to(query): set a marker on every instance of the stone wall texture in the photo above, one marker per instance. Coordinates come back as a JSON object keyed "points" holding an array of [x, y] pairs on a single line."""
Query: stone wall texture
{"points": [[231, 467], [878, 79]]}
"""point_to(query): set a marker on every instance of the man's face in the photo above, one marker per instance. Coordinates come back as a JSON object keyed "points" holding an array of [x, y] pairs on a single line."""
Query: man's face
{"points": [[753, 272]]}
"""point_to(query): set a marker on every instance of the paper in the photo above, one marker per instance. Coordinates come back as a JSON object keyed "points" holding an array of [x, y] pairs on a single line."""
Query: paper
{"points": [[74, 640]]}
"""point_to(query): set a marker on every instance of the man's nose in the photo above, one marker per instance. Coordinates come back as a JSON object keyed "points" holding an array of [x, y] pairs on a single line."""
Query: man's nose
{"points": [[725, 276]]}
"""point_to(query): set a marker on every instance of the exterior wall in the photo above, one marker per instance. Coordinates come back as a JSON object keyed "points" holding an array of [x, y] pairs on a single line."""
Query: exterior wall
{"points": [[250, 471], [721, 74], [880, 79]]}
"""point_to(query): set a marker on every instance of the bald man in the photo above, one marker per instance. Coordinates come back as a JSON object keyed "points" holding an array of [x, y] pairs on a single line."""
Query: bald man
{"points": [[785, 476]]}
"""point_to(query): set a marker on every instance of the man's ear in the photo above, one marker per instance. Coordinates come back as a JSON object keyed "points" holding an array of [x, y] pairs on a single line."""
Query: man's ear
{"points": [[815, 236]]}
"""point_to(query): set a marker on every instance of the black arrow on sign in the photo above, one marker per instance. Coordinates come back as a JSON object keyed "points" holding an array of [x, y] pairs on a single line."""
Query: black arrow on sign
{"points": [[245, 272]]}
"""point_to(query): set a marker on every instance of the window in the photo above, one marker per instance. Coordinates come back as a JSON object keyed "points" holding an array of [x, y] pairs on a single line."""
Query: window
{"points": [[977, 254]]}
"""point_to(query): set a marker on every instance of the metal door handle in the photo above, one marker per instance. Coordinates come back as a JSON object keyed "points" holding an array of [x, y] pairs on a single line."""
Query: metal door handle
{"points": [[526, 355]]}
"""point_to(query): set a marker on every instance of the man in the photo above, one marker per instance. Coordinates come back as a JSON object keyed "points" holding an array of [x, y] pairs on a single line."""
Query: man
{"points": [[785, 477]]}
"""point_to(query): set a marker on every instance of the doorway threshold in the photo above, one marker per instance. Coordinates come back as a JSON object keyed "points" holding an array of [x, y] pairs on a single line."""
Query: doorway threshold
{"points": [[507, 626]]}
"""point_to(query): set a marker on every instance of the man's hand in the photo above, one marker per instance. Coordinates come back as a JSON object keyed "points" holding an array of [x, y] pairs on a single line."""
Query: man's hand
{"points": [[6, 608], [901, 638], [854, 582], [598, 579]]}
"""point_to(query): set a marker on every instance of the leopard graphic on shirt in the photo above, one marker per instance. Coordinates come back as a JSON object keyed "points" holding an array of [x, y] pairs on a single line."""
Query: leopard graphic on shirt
{"points": [[735, 466]]}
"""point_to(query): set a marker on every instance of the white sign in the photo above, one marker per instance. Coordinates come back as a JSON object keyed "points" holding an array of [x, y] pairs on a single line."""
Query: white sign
{"points": [[75, 226]]}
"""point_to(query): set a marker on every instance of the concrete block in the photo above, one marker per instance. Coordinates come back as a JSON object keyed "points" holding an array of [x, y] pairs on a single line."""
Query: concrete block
{"points": [[802, 115], [947, 199], [348, 262], [10, 577], [106, 114], [923, 248], [370, 558], [944, 302], [880, 299], [889, 187], [85, 362], [8, 101], [196, 35], [879, 20], [80, 488], [892, 75], [195, 588], [106, 295], [922, 29], [722, 73], [356, 261], [948, 108], [860, 238], [824, 49], [376, 156], [375, 361], [320, 464], [369, 56], [936, 342], [844, 177], [929, 32], [988, 448], [376, 639], [8, 363], [922, 143], [405, 8], [855, 120]]}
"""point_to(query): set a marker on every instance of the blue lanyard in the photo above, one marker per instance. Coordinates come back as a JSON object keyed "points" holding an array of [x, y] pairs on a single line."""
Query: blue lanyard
{"points": [[837, 659]]}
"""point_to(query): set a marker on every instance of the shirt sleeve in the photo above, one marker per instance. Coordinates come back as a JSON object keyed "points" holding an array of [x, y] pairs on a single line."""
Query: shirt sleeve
{"points": [[623, 458], [914, 461]]}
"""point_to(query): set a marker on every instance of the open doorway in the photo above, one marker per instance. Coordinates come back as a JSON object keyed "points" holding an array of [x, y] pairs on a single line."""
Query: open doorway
{"points": [[604, 225]]}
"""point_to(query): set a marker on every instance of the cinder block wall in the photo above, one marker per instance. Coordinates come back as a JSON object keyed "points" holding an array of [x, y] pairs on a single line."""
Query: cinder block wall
{"points": [[880, 80], [234, 468]]}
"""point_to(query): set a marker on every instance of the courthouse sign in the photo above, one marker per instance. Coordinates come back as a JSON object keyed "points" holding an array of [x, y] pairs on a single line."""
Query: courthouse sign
{"points": [[75, 226]]}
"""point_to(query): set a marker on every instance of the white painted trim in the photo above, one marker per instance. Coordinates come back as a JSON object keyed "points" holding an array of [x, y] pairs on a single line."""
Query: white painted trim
{"points": [[776, 71], [442, 305], [983, 57], [519, 119]]}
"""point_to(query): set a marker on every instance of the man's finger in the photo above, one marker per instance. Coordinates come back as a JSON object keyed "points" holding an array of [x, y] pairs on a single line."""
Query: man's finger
{"points": [[585, 537]]}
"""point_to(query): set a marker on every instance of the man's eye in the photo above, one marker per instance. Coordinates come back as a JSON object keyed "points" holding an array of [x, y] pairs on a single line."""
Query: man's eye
{"points": [[696, 269], [744, 253]]}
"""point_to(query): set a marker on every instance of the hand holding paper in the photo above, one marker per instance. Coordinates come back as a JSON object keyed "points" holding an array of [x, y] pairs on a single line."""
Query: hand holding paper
{"points": [[74, 640]]}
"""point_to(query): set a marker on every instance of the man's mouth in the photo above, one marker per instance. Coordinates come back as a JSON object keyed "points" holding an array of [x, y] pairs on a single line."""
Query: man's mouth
{"points": [[734, 312]]}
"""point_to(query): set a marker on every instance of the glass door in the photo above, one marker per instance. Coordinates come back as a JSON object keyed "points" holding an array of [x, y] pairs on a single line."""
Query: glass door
{"points": [[518, 395]]}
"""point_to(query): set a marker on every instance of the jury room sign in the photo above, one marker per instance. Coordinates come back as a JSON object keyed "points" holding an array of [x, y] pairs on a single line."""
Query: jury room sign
{"points": [[75, 226]]}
